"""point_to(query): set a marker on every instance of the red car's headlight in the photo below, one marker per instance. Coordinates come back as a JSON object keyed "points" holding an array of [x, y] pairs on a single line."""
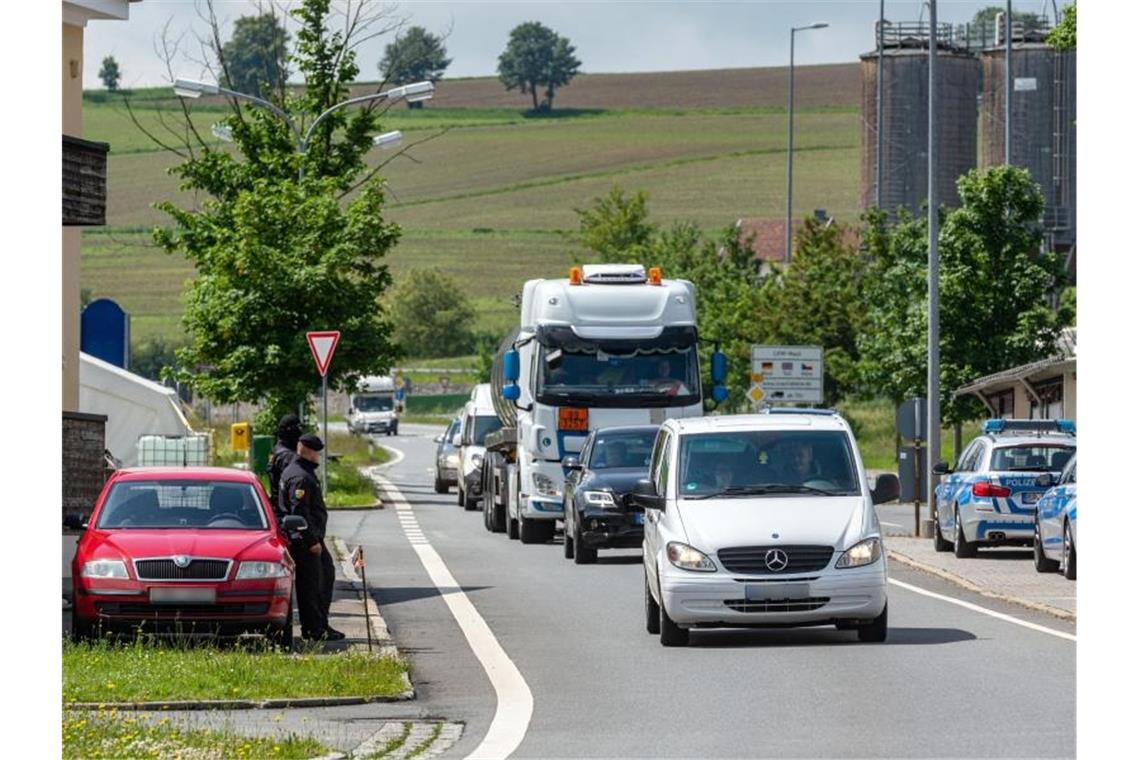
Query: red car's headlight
{"points": [[104, 568], [258, 570]]}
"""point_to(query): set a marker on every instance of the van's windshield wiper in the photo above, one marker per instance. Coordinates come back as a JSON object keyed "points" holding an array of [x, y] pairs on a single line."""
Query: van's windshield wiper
{"points": [[761, 489]]}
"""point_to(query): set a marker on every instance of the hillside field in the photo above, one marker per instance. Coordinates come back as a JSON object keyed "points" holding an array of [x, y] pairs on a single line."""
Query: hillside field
{"points": [[491, 193]]}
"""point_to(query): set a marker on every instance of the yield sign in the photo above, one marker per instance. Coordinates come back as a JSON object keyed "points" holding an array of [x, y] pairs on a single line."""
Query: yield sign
{"points": [[322, 344]]}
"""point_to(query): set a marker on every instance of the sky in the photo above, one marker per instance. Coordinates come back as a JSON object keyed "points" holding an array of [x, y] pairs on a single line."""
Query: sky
{"points": [[610, 37]]}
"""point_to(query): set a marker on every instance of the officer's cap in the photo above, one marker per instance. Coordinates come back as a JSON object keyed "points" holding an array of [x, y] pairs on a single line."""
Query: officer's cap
{"points": [[310, 441], [289, 424]]}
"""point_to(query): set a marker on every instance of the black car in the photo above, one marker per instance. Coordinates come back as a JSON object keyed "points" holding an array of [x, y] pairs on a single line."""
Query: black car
{"points": [[598, 513]]}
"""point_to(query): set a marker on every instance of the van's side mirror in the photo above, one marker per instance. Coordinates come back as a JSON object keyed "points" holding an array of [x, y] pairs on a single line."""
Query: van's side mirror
{"points": [[886, 488], [437, 439], [571, 463], [645, 495], [511, 367], [1046, 480], [291, 523], [942, 469]]}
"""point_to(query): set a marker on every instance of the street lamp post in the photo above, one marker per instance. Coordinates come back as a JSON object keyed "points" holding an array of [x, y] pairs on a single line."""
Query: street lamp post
{"points": [[189, 88], [791, 108], [933, 406]]}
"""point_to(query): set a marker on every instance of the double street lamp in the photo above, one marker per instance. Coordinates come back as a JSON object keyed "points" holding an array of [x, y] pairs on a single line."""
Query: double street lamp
{"points": [[412, 93], [791, 108]]}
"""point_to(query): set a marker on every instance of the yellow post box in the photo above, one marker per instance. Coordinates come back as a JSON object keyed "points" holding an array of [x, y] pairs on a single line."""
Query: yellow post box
{"points": [[239, 436]]}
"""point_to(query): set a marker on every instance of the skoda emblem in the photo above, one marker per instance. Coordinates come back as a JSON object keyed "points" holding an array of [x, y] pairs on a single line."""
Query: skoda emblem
{"points": [[776, 560], [182, 561]]}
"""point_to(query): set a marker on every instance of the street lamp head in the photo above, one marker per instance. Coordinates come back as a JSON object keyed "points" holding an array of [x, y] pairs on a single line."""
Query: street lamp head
{"points": [[818, 25], [388, 139], [190, 88], [222, 132], [413, 93]]}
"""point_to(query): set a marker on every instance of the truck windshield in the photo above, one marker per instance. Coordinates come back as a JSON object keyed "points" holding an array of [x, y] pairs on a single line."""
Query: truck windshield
{"points": [[372, 403], [766, 462], [600, 378]]}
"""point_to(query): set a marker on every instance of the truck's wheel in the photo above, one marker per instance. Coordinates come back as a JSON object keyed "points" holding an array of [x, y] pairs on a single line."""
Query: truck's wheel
{"points": [[498, 518], [512, 529]]}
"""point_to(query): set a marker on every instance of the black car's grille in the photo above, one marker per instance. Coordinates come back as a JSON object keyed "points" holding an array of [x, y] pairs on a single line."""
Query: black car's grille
{"points": [[777, 605], [754, 559], [166, 611], [197, 570]]}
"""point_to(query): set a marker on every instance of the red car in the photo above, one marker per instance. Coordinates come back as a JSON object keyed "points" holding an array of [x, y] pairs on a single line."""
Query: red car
{"points": [[184, 550]]}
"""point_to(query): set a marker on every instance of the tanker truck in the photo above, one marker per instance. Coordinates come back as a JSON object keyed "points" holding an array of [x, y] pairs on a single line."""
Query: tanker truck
{"points": [[612, 344]]}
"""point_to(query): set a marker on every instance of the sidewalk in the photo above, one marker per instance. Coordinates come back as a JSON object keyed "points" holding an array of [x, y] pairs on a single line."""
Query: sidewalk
{"points": [[1005, 573]]}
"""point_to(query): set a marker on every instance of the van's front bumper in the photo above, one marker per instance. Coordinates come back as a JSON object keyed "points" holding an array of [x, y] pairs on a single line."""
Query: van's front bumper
{"points": [[721, 600]]}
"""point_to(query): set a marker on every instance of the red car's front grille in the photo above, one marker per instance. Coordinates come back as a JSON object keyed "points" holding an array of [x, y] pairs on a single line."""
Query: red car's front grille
{"points": [[167, 570], [171, 611]]}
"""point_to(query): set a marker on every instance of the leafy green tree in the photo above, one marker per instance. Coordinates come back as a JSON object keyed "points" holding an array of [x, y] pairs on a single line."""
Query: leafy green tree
{"points": [[616, 226], [154, 358], [820, 299], [109, 73], [994, 288], [415, 56], [537, 57], [1064, 35], [430, 314], [254, 59], [277, 256]]}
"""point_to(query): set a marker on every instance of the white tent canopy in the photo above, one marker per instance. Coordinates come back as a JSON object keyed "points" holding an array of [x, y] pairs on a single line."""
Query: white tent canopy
{"points": [[134, 406]]}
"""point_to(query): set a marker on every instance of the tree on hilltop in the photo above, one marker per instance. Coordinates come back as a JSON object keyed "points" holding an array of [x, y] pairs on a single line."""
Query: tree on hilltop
{"points": [[537, 57], [109, 73], [414, 56], [256, 55]]}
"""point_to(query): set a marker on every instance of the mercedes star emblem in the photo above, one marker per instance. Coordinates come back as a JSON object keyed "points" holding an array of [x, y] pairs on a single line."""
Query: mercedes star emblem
{"points": [[776, 560], [182, 561]]}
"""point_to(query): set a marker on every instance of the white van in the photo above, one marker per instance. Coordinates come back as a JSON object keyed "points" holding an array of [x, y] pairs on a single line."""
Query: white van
{"points": [[372, 407], [478, 419]]}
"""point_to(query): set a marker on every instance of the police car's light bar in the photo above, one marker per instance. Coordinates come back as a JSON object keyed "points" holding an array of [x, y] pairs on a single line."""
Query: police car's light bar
{"points": [[1029, 426]]}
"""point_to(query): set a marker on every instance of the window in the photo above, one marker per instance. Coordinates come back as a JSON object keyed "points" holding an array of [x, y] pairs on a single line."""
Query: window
{"points": [[1031, 458], [968, 458], [182, 503], [662, 479], [373, 403], [482, 426], [629, 450]]}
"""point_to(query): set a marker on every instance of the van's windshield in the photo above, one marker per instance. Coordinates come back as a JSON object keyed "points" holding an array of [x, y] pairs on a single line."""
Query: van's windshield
{"points": [[372, 403]]}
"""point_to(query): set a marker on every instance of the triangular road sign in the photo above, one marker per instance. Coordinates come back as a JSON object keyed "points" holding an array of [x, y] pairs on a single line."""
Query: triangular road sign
{"points": [[322, 344]]}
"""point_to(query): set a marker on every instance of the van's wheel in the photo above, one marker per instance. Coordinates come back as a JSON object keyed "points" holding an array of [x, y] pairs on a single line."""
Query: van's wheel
{"points": [[1041, 563], [672, 635], [1069, 555], [652, 610], [962, 548], [459, 494], [876, 630], [940, 543]]}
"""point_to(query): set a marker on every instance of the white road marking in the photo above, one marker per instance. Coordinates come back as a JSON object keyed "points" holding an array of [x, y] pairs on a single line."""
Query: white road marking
{"points": [[893, 525], [984, 611], [515, 703]]}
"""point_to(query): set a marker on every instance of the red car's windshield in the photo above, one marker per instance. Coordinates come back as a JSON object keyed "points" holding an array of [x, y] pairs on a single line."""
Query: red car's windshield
{"points": [[182, 504]]}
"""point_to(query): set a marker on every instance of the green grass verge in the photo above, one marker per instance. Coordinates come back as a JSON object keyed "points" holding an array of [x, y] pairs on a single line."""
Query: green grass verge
{"points": [[874, 425], [445, 404], [348, 486], [103, 671], [113, 736]]}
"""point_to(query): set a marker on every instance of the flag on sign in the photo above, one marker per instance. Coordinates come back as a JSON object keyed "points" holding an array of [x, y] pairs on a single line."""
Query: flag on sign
{"points": [[358, 557]]}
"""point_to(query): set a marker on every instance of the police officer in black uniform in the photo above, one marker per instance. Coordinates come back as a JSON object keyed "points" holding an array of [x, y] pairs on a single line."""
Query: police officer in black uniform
{"points": [[300, 494], [284, 452]]}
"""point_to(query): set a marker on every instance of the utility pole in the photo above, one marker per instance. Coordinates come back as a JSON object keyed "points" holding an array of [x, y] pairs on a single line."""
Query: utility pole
{"points": [[933, 411], [1009, 82]]}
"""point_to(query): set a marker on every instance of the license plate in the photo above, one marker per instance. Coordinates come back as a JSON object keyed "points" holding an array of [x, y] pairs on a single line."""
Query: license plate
{"points": [[638, 518], [1030, 498], [169, 595], [759, 592]]}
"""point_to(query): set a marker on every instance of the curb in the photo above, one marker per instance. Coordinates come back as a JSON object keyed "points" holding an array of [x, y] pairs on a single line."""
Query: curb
{"points": [[971, 586], [241, 704]]}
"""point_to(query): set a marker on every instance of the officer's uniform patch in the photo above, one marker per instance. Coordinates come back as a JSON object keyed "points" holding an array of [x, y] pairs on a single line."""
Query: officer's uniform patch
{"points": [[299, 493]]}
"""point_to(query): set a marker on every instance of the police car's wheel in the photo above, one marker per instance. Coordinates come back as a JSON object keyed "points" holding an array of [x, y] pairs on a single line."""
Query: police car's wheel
{"points": [[962, 547], [940, 543], [1041, 563], [652, 612], [876, 631], [1069, 555]]}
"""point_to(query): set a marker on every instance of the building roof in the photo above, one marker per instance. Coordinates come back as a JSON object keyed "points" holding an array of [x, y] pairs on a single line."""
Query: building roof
{"points": [[1065, 356], [768, 240]]}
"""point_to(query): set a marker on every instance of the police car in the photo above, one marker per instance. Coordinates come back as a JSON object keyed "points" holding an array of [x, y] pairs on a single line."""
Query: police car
{"points": [[1055, 531], [990, 496]]}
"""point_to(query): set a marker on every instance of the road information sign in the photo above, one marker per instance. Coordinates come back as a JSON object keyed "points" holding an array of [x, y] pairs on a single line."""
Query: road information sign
{"points": [[787, 374], [322, 344]]}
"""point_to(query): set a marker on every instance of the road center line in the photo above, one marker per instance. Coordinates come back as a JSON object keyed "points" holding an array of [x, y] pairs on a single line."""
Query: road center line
{"points": [[984, 611], [515, 704]]}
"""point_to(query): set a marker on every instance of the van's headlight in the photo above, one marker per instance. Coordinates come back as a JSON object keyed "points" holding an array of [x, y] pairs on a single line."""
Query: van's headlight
{"points": [[104, 568], [254, 570], [865, 552], [544, 485], [599, 498], [688, 558]]}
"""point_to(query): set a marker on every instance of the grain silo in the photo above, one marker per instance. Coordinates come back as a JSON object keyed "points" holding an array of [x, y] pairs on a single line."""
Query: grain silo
{"points": [[905, 85], [1044, 138]]}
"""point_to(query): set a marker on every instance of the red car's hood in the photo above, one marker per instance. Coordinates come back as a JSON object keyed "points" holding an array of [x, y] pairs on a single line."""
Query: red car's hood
{"points": [[223, 544]]}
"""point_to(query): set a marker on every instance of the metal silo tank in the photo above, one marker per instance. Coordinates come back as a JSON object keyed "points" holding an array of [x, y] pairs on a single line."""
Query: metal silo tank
{"points": [[905, 84]]}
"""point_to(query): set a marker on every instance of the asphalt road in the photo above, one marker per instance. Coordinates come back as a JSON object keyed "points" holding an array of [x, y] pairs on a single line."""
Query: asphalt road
{"points": [[950, 681]]}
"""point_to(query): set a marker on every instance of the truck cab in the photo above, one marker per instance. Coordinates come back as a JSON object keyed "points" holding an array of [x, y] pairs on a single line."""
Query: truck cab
{"points": [[372, 407], [611, 345]]}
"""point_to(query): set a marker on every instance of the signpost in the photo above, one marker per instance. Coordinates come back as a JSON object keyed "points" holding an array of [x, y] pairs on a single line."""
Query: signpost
{"points": [[322, 343], [358, 565], [910, 424], [786, 374]]}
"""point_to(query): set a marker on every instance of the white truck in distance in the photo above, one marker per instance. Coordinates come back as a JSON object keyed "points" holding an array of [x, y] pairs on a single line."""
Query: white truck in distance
{"points": [[372, 407], [610, 345]]}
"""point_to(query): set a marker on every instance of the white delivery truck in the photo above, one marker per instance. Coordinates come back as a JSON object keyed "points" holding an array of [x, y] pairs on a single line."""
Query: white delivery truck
{"points": [[372, 407], [610, 345]]}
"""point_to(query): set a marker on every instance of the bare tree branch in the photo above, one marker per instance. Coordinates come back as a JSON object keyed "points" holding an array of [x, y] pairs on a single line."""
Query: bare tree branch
{"points": [[402, 152]]}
